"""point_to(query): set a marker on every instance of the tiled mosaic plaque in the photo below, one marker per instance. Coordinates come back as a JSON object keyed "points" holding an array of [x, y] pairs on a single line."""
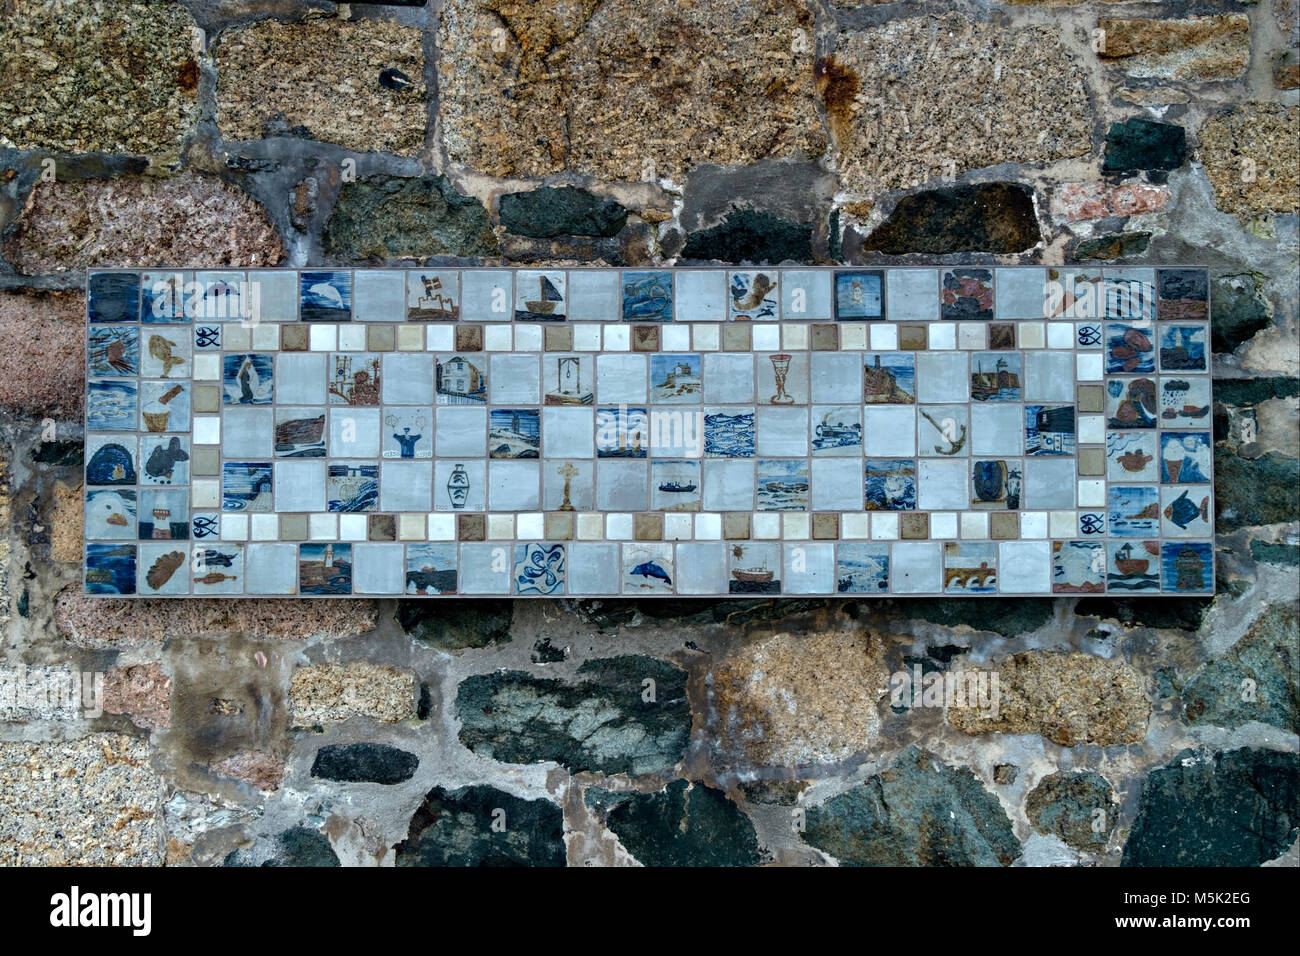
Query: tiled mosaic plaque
{"points": [[961, 431]]}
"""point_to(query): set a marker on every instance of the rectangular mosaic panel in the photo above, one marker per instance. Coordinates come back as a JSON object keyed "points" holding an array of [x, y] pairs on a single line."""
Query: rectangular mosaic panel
{"points": [[958, 430]]}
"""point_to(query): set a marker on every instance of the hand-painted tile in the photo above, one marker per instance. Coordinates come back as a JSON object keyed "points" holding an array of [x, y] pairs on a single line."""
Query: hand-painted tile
{"points": [[967, 294], [1131, 403], [1078, 567], [1182, 294], [326, 296], [1187, 567], [113, 297], [110, 568], [647, 296], [325, 568], [890, 484], [1185, 457], [647, 569], [113, 350], [1183, 348], [970, 567], [1129, 349], [755, 295], [1133, 511]]}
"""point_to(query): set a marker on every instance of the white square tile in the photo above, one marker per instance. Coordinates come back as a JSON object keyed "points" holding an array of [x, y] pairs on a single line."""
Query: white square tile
{"points": [[236, 336], [943, 335], [677, 527], [591, 526], [205, 493], [975, 524], [674, 337], [500, 527], [796, 527], [530, 527], [1030, 335], [442, 526], [943, 525], [440, 338], [352, 338], [1060, 335], [618, 338], [323, 527], [323, 338], [618, 527], [207, 367], [266, 337], [1033, 524], [855, 525], [586, 338], [794, 336], [411, 527], [497, 338], [528, 337], [706, 337], [708, 527], [765, 525], [264, 527], [353, 527], [234, 527], [207, 430], [884, 526], [1091, 429], [1092, 492], [1062, 524], [410, 338], [972, 335], [1088, 366], [884, 338], [767, 338], [853, 336]]}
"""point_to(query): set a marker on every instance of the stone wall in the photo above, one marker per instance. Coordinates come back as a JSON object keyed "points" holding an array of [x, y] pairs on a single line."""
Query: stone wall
{"points": [[256, 132]]}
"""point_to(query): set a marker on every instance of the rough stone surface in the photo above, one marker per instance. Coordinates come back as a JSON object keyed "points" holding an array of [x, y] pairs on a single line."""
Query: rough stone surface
{"points": [[66, 523], [261, 770], [602, 721], [87, 802], [1259, 679], [792, 700], [1138, 144], [456, 828], [748, 235], [364, 763], [914, 99], [1266, 134], [94, 622], [1069, 699], [184, 220], [1076, 806], [1237, 311], [81, 76], [920, 812], [990, 217], [624, 89], [455, 627], [49, 330], [142, 692], [547, 212], [1199, 48], [1119, 245], [408, 219], [1255, 492], [1090, 200], [1238, 808], [327, 78], [323, 693], [684, 825], [300, 846]]}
